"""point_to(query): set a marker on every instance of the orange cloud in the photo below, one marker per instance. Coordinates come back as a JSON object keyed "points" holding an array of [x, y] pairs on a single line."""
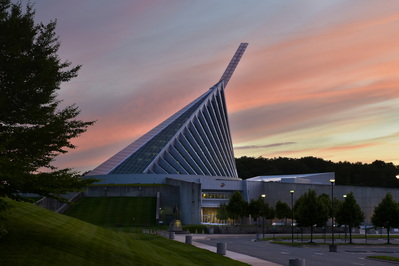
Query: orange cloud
{"points": [[349, 147]]}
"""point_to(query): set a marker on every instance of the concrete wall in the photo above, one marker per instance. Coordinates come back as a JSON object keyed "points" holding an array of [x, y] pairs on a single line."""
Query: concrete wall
{"points": [[190, 200], [185, 195], [366, 197], [133, 190], [57, 206], [168, 196], [49, 204], [255, 189]]}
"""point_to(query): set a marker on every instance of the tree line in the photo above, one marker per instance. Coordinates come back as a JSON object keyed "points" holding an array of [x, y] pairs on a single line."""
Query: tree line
{"points": [[375, 174], [312, 210]]}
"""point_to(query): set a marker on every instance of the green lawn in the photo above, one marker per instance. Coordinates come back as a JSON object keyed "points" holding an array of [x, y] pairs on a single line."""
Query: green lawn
{"points": [[385, 258], [40, 237], [115, 211], [328, 237]]}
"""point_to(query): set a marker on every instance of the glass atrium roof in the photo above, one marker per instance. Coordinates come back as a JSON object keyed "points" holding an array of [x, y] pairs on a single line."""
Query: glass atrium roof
{"points": [[139, 161]]}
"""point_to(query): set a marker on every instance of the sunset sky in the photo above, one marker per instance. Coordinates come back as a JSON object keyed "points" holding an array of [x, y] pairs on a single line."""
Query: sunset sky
{"points": [[319, 78]]}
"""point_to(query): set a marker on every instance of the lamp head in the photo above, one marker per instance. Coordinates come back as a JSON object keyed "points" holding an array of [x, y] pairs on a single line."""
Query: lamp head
{"points": [[263, 195], [292, 191], [332, 181]]}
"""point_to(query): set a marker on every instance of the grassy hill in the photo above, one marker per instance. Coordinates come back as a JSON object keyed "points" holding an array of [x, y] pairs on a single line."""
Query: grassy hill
{"points": [[40, 237], [115, 211]]}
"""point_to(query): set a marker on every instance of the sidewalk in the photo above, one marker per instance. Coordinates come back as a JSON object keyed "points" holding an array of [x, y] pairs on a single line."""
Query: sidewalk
{"points": [[233, 255]]}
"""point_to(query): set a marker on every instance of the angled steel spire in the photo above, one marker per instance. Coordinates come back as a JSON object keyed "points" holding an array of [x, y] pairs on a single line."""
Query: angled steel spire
{"points": [[194, 141], [233, 63]]}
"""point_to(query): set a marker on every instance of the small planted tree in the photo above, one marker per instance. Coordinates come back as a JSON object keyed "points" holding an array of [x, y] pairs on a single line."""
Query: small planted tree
{"points": [[255, 208], [269, 212], [324, 209], [311, 210], [237, 206], [283, 211], [386, 214], [349, 214], [222, 213]]}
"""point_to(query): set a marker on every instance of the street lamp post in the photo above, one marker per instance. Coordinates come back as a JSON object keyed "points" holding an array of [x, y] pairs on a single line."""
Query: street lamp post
{"points": [[292, 215], [345, 224], [263, 213], [333, 248]]}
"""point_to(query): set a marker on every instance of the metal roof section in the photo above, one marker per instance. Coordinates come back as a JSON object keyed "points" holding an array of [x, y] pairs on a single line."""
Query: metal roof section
{"points": [[318, 178], [138, 161], [120, 157], [194, 141]]}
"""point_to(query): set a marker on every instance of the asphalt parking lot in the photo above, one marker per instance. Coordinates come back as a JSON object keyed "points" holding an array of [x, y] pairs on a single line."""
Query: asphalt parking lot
{"points": [[247, 248]]}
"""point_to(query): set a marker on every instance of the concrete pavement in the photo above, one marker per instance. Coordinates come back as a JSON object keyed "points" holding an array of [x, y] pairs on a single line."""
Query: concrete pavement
{"points": [[233, 255]]}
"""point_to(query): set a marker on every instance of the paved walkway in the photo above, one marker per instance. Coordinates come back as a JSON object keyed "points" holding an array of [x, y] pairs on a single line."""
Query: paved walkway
{"points": [[233, 255]]}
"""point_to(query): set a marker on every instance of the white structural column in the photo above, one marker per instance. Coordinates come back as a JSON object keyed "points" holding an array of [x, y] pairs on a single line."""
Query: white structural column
{"points": [[233, 63]]}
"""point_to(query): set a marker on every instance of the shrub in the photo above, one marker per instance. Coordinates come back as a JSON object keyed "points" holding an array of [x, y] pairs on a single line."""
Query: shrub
{"points": [[195, 228]]}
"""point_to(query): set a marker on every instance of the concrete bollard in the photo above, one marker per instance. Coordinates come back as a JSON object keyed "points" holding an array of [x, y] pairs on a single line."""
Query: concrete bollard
{"points": [[296, 262], [221, 248], [189, 239], [332, 248], [171, 235]]}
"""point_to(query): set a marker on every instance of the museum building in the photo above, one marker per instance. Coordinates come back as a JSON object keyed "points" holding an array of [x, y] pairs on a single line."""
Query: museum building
{"points": [[188, 161]]}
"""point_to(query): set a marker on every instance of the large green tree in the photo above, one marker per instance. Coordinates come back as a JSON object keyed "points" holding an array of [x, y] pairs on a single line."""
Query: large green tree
{"points": [[386, 214], [34, 127], [349, 214]]}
